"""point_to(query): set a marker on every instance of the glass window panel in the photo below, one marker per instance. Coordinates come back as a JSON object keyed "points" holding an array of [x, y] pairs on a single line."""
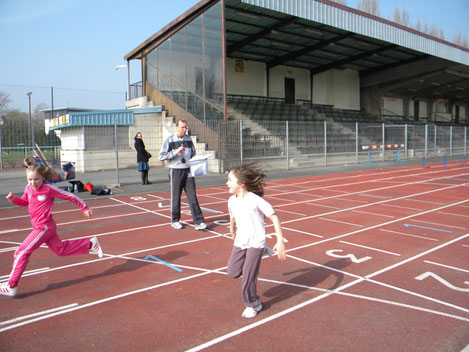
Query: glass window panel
{"points": [[178, 67], [213, 56], [194, 57], [164, 68], [151, 69]]}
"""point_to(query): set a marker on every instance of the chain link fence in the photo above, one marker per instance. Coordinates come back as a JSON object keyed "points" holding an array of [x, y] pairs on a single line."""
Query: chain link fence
{"points": [[294, 144], [278, 144]]}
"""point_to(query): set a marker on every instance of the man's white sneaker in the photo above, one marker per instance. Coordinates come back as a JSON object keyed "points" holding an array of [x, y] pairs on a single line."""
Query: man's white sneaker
{"points": [[251, 312], [95, 247], [200, 226], [176, 225], [6, 290]]}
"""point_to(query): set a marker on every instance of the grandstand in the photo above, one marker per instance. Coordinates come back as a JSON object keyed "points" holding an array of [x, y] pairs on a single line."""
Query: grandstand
{"points": [[305, 82]]}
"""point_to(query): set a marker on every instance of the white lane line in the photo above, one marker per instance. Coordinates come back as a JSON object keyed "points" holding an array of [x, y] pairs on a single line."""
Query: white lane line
{"points": [[401, 207], [371, 248], [446, 266], [24, 317], [304, 232], [466, 216], [341, 222], [289, 212], [376, 214], [410, 235], [322, 205], [425, 201], [28, 273], [438, 224]]}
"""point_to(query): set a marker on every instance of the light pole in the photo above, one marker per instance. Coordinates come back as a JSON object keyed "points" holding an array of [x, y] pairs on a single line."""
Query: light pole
{"points": [[1, 151], [31, 128], [127, 94]]}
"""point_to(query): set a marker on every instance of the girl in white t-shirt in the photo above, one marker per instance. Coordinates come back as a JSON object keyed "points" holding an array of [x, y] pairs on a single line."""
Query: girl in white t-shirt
{"points": [[247, 211]]}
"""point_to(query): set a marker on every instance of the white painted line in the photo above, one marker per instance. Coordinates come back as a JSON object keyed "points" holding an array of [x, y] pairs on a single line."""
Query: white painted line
{"points": [[410, 235], [341, 222], [290, 212], [322, 205], [425, 201], [438, 224], [37, 314], [28, 273], [373, 249], [8, 231], [306, 233], [401, 207], [446, 266], [376, 214], [466, 216]]}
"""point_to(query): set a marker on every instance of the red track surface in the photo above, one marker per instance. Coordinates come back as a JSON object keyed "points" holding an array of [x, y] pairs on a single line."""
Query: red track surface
{"points": [[377, 261]]}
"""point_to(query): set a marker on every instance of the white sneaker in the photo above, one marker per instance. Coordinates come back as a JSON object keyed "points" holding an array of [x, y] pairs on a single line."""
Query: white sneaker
{"points": [[95, 247], [251, 312], [200, 226], [176, 225], [6, 290]]}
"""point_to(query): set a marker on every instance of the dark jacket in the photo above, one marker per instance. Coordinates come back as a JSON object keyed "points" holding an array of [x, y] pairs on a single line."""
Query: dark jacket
{"points": [[142, 154]]}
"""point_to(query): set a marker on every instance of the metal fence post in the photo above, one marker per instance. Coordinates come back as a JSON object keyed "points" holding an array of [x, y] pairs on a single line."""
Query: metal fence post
{"points": [[451, 141], [116, 143], [426, 140], [436, 140], [356, 142], [406, 140], [465, 140], [325, 143], [382, 146], [287, 144], [241, 140]]}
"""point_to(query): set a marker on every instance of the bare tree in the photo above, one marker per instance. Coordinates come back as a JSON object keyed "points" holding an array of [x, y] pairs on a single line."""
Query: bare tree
{"points": [[402, 16], [4, 102], [341, 2], [370, 6], [460, 39], [396, 15]]}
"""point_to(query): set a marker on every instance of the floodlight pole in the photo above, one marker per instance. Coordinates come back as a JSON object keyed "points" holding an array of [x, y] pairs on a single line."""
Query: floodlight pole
{"points": [[31, 127], [1, 151]]}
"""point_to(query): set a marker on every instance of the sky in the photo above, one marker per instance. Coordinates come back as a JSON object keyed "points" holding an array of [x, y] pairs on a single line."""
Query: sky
{"points": [[74, 45]]}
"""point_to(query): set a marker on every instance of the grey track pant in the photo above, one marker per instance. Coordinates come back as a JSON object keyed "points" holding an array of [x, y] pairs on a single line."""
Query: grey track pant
{"points": [[246, 262]]}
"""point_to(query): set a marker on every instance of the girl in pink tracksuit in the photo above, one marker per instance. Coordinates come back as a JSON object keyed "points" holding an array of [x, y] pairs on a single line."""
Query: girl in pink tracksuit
{"points": [[39, 198]]}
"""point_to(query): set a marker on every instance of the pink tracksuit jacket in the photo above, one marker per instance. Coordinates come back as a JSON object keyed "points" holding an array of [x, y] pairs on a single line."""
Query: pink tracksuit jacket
{"points": [[40, 203]]}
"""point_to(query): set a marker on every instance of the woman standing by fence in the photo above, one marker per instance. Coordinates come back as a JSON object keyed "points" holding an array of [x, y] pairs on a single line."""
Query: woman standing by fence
{"points": [[142, 158]]}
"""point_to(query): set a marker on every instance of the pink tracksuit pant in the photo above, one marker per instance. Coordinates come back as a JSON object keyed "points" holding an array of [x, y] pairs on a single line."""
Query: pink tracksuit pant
{"points": [[45, 234]]}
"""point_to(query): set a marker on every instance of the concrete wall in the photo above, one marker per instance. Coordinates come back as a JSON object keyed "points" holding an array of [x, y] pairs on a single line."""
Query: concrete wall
{"points": [[277, 82], [92, 148], [250, 82], [339, 88]]}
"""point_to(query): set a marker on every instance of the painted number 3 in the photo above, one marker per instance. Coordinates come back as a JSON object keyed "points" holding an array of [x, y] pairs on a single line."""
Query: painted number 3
{"points": [[443, 281]]}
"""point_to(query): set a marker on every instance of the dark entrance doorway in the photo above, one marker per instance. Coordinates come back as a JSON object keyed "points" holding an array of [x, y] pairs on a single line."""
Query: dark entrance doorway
{"points": [[289, 90]]}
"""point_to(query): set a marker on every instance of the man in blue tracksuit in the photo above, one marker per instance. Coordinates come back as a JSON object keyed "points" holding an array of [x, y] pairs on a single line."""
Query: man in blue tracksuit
{"points": [[177, 149]]}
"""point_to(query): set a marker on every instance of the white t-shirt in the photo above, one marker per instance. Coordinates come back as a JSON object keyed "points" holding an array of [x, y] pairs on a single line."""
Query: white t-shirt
{"points": [[249, 213]]}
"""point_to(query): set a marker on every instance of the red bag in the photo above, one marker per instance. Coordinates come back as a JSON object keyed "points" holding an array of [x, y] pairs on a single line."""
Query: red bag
{"points": [[88, 187]]}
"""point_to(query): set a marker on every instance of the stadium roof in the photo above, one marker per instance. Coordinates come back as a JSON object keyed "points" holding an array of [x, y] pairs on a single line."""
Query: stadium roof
{"points": [[320, 35]]}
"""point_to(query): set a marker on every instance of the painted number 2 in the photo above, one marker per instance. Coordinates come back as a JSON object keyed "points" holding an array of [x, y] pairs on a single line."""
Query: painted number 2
{"points": [[352, 257], [443, 281]]}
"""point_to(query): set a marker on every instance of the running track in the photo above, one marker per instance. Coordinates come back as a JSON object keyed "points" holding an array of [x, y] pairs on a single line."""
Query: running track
{"points": [[377, 261]]}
